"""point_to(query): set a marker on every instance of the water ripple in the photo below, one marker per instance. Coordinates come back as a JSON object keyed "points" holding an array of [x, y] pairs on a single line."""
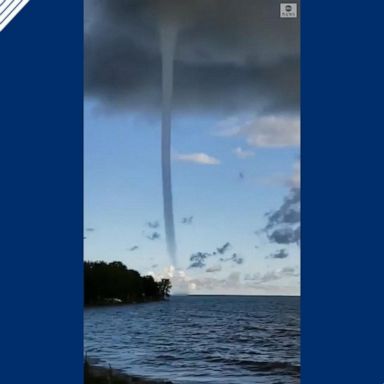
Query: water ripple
{"points": [[200, 339]]}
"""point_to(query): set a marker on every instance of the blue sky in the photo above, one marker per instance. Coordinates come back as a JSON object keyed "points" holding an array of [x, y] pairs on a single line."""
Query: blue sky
{"points": [[235, 141], [123, 192]]}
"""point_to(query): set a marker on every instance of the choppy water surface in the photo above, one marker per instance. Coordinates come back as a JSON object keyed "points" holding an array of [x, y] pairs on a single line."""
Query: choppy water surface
{"points": [[200, 339]]}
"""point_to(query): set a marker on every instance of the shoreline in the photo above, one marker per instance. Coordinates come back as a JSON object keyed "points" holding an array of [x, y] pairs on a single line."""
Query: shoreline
{"points": [[101, 375], [123, 303]]}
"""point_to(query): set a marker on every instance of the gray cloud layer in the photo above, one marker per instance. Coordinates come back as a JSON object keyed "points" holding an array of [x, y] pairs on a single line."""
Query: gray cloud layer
{"points": [[231, 55], [283, 225], [280, 254]]}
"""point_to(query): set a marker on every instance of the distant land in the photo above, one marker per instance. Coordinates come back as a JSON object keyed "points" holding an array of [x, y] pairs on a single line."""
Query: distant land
{"points": [[232, 294], [113, 283]]}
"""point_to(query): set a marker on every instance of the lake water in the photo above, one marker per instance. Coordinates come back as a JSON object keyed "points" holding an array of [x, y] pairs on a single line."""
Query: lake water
{"points": [[200, 339]]}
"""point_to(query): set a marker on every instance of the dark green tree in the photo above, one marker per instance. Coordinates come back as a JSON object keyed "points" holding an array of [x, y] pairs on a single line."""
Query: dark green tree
{"points": [[164, 287], [114, 282]]}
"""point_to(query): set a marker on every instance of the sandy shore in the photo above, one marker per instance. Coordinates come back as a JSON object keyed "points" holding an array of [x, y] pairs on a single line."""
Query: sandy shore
{"points": [[100, 375]]}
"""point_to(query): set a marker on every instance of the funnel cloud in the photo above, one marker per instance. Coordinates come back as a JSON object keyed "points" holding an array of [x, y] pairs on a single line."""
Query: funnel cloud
{"points": [[168, 35], [192, 108]]}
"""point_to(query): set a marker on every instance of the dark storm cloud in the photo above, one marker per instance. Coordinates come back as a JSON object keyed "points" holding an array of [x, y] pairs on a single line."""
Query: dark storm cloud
{"points": [[238, 52]]}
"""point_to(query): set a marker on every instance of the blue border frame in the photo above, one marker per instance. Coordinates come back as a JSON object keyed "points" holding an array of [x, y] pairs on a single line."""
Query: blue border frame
{"points": [[41, 155], [342, 260], [41, 193]]}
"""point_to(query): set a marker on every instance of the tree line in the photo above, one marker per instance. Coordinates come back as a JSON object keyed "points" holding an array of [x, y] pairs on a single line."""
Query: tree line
{"points": [[115, 283]]}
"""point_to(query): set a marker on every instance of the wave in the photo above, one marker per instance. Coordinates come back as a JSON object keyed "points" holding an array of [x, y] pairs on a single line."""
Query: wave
{"points": [[266, 367]]}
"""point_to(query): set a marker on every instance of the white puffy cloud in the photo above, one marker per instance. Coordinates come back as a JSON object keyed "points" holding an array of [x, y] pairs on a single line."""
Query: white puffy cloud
{"points": [[234, 282], [295, 180], [197, 158], [242, 153], [268, 131], [275, 274], [214, 268]]}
